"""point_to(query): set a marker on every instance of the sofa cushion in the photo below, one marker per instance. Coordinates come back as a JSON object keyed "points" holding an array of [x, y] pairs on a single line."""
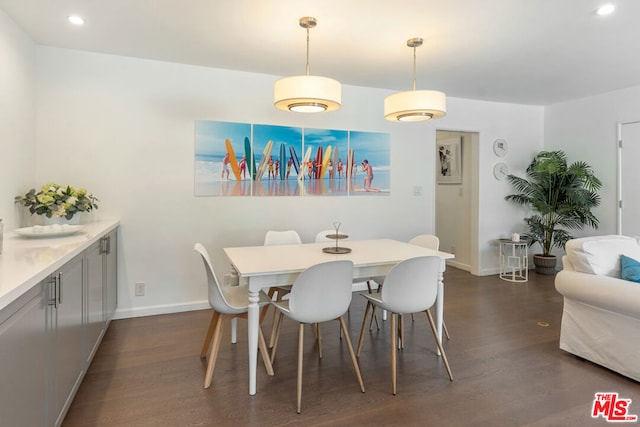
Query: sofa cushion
{"points": [[630, 269], [601, 254]]}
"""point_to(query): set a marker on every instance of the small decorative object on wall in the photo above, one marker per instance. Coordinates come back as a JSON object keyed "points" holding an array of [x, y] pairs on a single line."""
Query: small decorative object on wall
{"points": [[449, 155], [58, 201], [500, 147], [239, 159], [500, 171]]}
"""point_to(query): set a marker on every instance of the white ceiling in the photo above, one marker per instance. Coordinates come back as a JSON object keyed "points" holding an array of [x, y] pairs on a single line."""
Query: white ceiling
{"points": [[521, 51]]}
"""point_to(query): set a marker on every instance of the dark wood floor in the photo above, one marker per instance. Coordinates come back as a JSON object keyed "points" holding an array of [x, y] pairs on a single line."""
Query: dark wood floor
{"points": [[508, 370]]}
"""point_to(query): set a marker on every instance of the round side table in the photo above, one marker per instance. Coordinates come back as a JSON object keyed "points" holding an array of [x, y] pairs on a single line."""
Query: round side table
{"points": [[514, 260]]}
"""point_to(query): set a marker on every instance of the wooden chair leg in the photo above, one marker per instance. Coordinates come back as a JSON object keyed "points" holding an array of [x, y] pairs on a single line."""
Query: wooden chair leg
{"points": [[343, 328], [373, 313], [207, 339], [364, 322], [435, 336], [213, 354], [400, 332], [300, 354], [277, 323], [319, 339], [262, 346], [263, 311], [446, 331], [393, 353]]}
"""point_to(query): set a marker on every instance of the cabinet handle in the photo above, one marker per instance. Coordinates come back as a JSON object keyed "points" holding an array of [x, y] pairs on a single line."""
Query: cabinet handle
{"points": [[108, 245], [60, 288], [53, 288]]}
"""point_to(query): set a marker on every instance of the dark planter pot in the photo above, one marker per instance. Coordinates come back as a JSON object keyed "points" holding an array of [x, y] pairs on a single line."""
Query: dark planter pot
{"points": [[545, 264]]}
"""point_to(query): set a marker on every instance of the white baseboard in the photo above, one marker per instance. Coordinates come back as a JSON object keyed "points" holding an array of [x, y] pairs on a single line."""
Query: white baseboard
{"points": [[160, 309], [456, 264], [191, 306]]}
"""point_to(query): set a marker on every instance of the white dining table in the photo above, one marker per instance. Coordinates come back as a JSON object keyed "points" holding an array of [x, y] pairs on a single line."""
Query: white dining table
{"points": [[260, 267]]}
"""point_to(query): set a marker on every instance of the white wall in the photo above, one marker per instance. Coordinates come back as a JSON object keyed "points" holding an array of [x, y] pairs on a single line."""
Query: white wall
{"points": [[586, 130], [17, 116], [124, 128]]}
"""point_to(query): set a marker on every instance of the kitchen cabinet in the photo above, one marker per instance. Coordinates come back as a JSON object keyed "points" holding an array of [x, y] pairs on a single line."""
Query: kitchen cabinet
{"points": [[50, 331], [23, 360], [65, 306]]}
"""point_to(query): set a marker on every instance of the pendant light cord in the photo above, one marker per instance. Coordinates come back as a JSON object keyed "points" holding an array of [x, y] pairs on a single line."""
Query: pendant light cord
{"points": [[307, 51], [414, 68]]}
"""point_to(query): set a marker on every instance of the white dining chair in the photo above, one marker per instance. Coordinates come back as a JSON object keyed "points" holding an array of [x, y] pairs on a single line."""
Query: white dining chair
{"points": [[226, 301], [273, 237], [410, 287], [429, 241], [320, 293]]}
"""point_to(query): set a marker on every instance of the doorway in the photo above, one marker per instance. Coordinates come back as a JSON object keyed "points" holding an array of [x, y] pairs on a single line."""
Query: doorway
{"points": [[456, 200], [628, 177]]}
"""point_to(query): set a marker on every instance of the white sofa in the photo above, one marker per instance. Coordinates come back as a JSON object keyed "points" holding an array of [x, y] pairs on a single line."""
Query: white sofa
{"points": [[601, 315]]}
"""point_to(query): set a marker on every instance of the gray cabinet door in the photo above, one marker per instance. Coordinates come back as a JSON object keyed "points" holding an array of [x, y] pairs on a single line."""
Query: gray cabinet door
{"points": [[23, 360], [95, 303], [67, 333], [111, 276]]}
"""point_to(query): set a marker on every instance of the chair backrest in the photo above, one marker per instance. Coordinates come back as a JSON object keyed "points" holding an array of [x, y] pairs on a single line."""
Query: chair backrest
{"points": [[322, 236], [429, 241], [288, 237], [217, 299], [412, 285], [322, 292]]}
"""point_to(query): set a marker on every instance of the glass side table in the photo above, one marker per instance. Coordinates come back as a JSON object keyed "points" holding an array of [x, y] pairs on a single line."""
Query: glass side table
{"points": [[514, 260]]}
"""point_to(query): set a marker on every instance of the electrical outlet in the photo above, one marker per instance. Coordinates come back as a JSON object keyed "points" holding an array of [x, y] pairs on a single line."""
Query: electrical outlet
{"points": [[140, 289]]}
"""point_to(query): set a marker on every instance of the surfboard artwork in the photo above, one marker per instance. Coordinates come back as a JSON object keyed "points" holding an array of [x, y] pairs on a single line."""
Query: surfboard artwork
{"points": [[350, 157], [262, 166], [294, 159], [233, 162], [325, 162], [233, 159], [305, 161], [251, 159], [283, 161], [318, 162], [332, 173]]}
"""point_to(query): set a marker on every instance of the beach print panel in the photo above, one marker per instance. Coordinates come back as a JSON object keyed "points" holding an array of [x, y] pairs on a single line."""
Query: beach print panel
{"points": [[370, 160], [325, 165], [220, 167], [278, 150]]}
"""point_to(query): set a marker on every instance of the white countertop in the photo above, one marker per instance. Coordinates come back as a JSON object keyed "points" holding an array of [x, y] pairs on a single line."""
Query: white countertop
{"points": [[24, 262]]}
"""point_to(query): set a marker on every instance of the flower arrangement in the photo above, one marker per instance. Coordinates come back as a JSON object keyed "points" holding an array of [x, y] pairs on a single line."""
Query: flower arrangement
{"points": [[58, 201]]}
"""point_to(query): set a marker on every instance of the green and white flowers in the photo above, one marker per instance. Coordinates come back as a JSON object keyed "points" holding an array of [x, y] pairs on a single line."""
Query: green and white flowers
{"points": [[58, 201]]}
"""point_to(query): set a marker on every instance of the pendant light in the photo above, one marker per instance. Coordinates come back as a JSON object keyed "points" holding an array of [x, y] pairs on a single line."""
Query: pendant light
{"points": [[306, 93], [415, 105]]}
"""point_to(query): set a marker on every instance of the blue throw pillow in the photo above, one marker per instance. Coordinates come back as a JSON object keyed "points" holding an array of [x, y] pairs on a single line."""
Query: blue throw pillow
{"points": [[630, 269]]}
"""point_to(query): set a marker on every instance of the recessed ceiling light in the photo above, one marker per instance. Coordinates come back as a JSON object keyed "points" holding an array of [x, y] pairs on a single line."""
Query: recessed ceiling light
{"points": [[76, 20], [606, 9]]}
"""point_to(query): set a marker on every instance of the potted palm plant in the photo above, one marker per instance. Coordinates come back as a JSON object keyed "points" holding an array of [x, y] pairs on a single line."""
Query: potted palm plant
{"points": [[562, 195]]}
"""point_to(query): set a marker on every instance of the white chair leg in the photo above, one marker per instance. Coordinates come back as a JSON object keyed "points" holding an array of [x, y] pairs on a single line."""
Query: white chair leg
{"points": [[234, 330]]}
